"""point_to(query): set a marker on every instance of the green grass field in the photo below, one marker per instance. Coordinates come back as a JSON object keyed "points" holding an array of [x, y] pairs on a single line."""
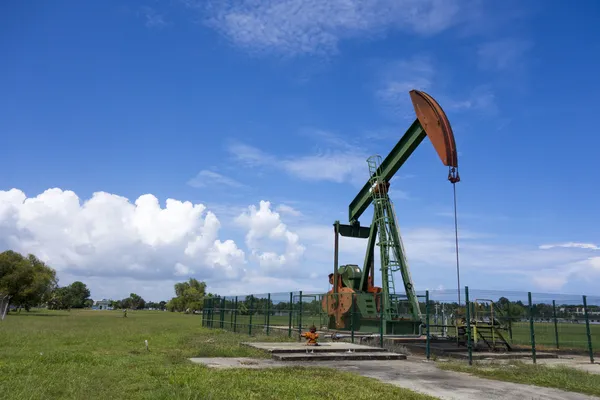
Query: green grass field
{"points": [[101, 355]]}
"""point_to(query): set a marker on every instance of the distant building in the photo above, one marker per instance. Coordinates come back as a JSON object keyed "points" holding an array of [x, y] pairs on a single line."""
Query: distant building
{"points": [[103, 304]]}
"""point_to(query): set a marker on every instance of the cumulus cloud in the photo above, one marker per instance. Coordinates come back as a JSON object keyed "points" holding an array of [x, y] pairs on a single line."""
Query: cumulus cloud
{"points": [[299, 27], [264, 223], [118, 246], [107, 235]]}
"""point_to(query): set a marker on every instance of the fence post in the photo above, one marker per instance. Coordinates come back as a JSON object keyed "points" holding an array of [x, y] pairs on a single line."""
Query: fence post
{"points": [[250, 311], [469, 345], [587, 328], [555, 323], [290, 312], [428, 346], [203, 313], [300, 317], [235, 315], [353, 310], [268, 312], [222, 313], [381, 320], [210, 312], [531, 328]]}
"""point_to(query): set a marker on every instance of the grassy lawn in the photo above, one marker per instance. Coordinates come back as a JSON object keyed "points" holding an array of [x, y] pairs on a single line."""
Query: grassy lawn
{"points": [[559, 377], [101, 355]]}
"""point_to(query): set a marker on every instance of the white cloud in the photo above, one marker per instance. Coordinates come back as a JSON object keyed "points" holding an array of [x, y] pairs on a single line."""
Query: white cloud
{"points": [[153, 18], [589, 246], [206, 178], [120, 247], [297, 27], [485, 261], [399, 77], [264, 223], [109, 236], [339, 166], [289, 210], [504, 54]]}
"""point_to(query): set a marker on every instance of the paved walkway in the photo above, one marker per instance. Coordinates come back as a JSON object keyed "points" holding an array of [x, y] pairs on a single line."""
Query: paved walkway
{"points": [[420, 376], [425, 377]]}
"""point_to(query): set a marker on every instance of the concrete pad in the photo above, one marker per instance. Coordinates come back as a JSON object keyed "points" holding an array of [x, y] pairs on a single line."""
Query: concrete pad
{"points": [[449, 350], [299, 347], [342, 356], [237, 362]]}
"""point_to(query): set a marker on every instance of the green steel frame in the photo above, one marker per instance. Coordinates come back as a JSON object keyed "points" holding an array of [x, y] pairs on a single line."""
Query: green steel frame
{"points": [[384, 225]]}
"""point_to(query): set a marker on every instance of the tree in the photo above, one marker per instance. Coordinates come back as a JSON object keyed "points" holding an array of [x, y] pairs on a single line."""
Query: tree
{"points": [[79, 294], [25, 281], [134, 302], [189, 296], [61, 299]]}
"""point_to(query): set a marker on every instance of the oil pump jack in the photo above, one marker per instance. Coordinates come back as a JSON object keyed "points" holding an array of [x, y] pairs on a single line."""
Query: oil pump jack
{"points": [[354, 302]]}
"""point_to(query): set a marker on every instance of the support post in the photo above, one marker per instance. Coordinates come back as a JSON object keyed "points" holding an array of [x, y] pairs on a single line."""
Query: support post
{"points": [[428, 345], [222, 313], [336, 246], [531, 328], [210, 312], [290, 311], [587, 328], [235, 309], [300, 317], [381, 320], [469, 344], [250, 311], [555, 323], [231, 315], [353, 310], [268, 312]]}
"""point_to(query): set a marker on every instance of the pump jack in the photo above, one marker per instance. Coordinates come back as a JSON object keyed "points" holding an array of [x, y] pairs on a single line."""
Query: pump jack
{"points": [[354, 294]]}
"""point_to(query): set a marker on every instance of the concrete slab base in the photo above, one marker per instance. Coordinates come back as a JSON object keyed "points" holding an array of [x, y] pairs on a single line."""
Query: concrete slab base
{"points": [[325, 351], [299, 347], [451, 350], [237, 362], [323, 356]]}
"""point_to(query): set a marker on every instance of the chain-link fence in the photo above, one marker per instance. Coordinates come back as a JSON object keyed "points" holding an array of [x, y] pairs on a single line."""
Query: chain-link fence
{"points": [[478, 319]]}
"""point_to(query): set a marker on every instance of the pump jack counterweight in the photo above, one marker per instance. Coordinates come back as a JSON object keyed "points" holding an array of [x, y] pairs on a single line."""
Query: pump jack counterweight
{"points": [[381, 305]]}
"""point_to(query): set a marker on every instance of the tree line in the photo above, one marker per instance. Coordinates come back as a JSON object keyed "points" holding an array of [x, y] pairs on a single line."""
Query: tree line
{"points": [[27, 282]]}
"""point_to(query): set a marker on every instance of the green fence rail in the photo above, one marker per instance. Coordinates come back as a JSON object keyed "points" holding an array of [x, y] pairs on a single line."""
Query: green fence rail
{"points": [[530, 321]]}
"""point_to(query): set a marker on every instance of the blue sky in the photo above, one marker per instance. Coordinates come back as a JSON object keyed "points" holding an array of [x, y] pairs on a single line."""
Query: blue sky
{"points": [[233, 103]]}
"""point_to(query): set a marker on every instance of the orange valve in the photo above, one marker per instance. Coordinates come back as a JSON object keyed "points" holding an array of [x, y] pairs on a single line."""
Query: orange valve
{"points": [[311, 336]]}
